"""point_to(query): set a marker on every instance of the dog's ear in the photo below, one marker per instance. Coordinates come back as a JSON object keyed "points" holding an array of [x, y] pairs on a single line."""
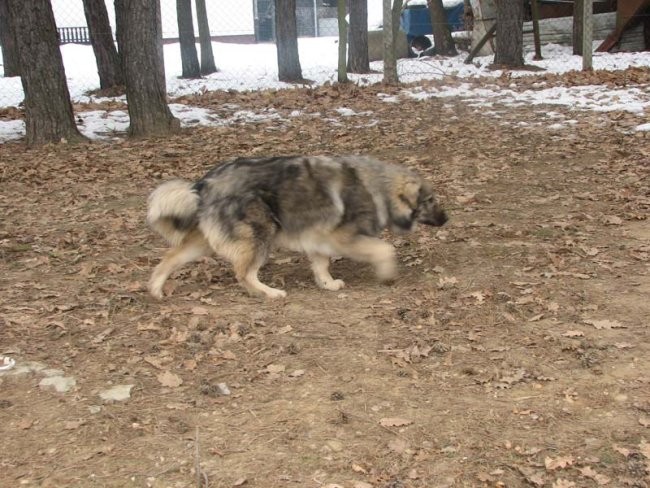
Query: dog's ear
{"points": [[410, 193], [404, 204], [429, 211]]}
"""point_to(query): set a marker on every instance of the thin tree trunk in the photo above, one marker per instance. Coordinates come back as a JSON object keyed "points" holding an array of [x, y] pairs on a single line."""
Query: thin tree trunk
{"points": [[390, 60], [286, 41], [358, 61], [442, 39], [101, 38], [343, 42], [207, 57], [139, 37], [189, 56], [510, 33], [8, 42], [48, 111]]}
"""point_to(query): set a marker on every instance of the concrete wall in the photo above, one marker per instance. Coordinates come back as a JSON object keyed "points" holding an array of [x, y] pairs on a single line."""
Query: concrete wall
{"points": [[376, 45]]}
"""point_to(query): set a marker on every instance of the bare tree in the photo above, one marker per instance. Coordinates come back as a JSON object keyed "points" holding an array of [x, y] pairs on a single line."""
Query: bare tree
{"points": [[139, 38], [207, 57], [189, 57], [286, 41], [48, 111], [510, 36], [442, 39], [389, 32], [358, 42], [8, 42], [101, 38], [343, 42]]}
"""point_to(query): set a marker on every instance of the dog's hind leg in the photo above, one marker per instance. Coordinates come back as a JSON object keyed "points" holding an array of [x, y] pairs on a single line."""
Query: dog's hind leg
{"points": [[247, 259], [320, 266], [193, 247]]}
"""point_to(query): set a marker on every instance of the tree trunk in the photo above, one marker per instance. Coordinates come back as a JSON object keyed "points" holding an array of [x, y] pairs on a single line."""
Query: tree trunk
{"points": [[390, 60], [442, 40], [189, 56], [139, 37], [207, 57], [101, 38], [343, 41], [577, 27], [48, 111], [358, 42], [510, 33], [286, 41], [8, 42]]}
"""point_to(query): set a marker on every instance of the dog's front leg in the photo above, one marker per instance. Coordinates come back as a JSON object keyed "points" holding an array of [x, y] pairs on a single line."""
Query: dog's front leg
{"points": [[320, 266]]}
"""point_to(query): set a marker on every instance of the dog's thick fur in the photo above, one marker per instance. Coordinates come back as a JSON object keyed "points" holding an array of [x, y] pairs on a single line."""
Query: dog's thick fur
{"points": [[322, 206]]}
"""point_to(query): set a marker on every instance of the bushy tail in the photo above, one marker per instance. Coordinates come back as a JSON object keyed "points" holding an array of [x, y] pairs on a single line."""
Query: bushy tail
{"points": [[172, 210]]}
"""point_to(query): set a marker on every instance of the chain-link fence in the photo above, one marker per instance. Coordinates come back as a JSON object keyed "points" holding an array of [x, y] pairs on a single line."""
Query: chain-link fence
{"points": [[242, 32]]}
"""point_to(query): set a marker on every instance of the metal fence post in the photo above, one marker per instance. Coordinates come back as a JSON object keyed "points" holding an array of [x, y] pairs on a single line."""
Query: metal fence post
{"points": [[587, 34]]}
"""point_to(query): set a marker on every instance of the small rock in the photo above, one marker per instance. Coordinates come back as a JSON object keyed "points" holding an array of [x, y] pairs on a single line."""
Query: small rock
{"points": [[52, 372], [61, 384], [24, 368], [117, 393], [223, 389], [94, 409]]}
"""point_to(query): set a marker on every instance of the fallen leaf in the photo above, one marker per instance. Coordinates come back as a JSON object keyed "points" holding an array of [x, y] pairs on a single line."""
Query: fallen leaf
{"points": [[532, 476], [612, 220], [605, 324], [573, 333], [589, 472], [560, 462], [394, 422], [644, 448], [189, 364], [169, 379], [73, 424], [285, 329], [25, 424], [562, 483], [149, 326], [357, 468], [622, 450], [361, 484], [275, 368]]}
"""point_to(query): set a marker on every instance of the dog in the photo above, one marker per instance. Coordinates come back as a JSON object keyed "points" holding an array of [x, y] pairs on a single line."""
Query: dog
{"points": [[321, 206]]}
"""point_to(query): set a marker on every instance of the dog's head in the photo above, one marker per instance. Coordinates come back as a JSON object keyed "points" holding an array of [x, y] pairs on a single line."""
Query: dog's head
{"points": [[415, 202]]}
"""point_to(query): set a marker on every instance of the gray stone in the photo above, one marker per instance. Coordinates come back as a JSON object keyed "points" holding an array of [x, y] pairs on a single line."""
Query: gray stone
{"points": [[117, 393], [61, 384]]}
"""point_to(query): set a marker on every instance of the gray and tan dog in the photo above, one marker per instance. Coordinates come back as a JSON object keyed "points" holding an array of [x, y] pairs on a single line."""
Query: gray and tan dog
{"points": [[321, 206]]}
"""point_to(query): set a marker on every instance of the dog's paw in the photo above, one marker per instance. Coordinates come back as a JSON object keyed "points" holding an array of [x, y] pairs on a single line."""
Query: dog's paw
{"points": [[386, 271], [275, 293], [333, 285], [157, 293]]}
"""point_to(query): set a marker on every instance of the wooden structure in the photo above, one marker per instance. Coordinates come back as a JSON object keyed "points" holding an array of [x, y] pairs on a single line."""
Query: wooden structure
{"points": [[628, 14], [73, 35]]}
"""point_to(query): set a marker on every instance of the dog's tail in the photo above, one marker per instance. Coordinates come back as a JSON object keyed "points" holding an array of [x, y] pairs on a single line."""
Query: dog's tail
{"points": [[172, 210]]}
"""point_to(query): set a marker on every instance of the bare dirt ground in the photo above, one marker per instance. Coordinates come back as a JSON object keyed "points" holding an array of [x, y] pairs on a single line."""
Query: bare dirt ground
{"points": [[514, 349]]}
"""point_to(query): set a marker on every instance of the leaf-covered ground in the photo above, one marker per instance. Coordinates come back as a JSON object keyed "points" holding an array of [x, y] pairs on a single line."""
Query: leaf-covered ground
{"points": [[514, 349]]}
